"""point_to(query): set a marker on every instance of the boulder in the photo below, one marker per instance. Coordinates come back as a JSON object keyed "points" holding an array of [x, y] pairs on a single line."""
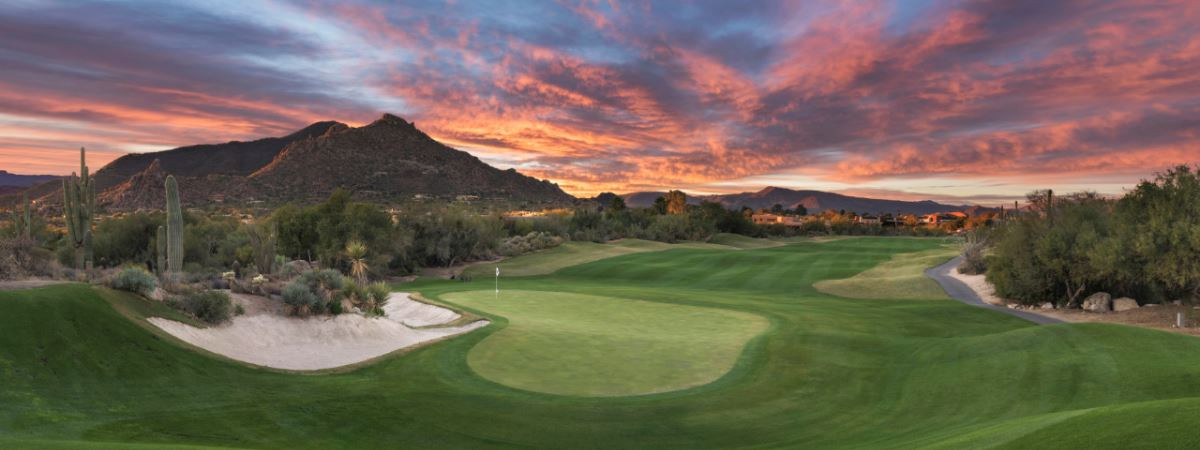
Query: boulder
{"points": [[1047, 305], [1098, 302], [297, 267], [1124, 304]]}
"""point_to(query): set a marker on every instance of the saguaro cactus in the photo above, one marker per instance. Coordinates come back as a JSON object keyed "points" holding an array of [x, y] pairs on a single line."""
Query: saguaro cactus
{"points": [[79, 205], [174, 228], [23, 220], [160, 240]]}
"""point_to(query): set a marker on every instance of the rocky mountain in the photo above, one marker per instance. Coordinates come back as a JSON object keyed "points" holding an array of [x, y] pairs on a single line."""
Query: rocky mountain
{"points": [[813, 201], [12, 180], [230, 158], [387, 159]]}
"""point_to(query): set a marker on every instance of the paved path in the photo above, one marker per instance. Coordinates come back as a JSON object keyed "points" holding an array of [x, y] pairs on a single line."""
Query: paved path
{"points": [[963, 293]]}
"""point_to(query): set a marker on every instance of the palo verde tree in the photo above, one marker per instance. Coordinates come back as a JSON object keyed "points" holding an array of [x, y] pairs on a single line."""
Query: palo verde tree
{"points": [[79, 206]]}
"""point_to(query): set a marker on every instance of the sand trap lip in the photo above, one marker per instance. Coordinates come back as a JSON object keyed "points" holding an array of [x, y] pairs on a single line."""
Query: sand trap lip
{"points": [[271, 340]]}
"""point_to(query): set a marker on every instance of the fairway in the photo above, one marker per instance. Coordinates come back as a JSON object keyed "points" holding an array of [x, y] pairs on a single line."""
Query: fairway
{"points": [[573, 344], [671, 348], [901, 277]]}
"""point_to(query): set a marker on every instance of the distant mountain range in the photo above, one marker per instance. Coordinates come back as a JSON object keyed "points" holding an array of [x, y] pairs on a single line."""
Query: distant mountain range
{"points": [[387, 159], [813, 201], [8, 179]]}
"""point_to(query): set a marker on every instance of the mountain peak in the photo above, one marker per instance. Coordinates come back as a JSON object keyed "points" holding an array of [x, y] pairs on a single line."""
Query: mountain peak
{"points": [[391, 119]]}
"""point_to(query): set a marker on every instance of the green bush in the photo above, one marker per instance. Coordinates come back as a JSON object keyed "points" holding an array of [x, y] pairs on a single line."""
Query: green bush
{"points": [[134, 279], [299, 296], [209, 306], [378, 293]]}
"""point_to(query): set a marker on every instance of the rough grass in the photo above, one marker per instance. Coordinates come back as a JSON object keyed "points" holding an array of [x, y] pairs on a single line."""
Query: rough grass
{"points": [[573, 253], [901, 277], [743, 242], [829, 372], [587, 345]]}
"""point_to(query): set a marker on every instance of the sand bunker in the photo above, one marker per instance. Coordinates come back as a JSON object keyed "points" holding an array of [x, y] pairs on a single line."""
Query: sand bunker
{"points": [[265, 337]]}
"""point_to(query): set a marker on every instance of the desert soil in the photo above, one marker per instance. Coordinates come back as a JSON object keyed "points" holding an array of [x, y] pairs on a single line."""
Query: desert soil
{"points": [[1160, 317], [264, 336], [13, 285]]}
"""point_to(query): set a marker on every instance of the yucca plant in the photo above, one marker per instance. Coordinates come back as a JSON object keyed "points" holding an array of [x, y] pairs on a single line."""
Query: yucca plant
{"points": [[356, 251]]}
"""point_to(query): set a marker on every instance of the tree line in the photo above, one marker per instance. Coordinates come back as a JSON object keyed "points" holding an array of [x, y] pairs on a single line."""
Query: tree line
{"points": [[1145, 245]]}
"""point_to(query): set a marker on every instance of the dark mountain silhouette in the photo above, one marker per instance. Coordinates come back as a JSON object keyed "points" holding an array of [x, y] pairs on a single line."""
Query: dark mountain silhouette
{"points": [[390, 156], [8, 179], [813, 201], [388, 159], [230, 158]]}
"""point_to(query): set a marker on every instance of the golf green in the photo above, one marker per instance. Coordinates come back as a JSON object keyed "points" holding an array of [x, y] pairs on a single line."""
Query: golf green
{"points": [[588, 345]]}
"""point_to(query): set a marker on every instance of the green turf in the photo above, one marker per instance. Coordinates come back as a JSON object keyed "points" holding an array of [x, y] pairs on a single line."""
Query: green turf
{"points": [[587, 345], [574, 253], [829, 372], [743, 242], [901, 277]]}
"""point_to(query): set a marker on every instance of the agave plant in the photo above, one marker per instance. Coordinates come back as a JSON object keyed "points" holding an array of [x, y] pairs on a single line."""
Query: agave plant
{"points": [[356, 251]]}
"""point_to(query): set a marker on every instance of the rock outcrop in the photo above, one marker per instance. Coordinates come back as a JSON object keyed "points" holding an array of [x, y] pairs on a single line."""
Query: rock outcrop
{"points": [[1098, 302], [1124, 304]]}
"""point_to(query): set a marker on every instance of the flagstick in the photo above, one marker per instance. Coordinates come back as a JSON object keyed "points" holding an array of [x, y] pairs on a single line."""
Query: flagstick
{"points": [[497, 281]]}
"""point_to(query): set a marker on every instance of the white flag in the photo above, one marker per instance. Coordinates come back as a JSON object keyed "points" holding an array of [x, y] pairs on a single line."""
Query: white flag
{"points": [[497, 271]]}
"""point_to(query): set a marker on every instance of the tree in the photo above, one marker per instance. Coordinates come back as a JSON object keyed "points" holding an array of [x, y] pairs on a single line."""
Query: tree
{"points": [[777, 209], [616, 203], [1157, 223], [676, 202], [660, 205]]}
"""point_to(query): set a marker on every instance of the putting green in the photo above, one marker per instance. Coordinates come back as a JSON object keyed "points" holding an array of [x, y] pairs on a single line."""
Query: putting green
{"points": [[588, 345]]}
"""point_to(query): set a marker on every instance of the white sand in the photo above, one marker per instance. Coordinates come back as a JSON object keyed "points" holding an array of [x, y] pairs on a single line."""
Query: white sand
{"points": [[265, 337], [979, 284]]}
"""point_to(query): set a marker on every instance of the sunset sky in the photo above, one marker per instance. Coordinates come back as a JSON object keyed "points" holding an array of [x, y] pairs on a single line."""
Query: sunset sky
{"points": [[968, 101]]}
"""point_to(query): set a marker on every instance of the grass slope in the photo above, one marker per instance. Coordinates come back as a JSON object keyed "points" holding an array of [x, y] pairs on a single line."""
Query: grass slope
{"points": [[743, 242], [829, 372], [901, 277], [587, 345], [573, 253]]}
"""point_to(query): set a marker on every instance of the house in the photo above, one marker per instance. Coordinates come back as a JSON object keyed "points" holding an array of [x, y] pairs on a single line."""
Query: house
{"points": [[776, 219], [867, 219], [939, 218]]}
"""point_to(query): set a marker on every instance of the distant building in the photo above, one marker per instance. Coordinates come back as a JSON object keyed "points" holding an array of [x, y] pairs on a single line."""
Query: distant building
{"points": [[776, 219], [867, 219]]}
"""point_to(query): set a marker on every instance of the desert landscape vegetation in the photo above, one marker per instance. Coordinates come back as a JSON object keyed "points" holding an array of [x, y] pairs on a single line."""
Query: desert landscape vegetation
{"points": [[895, 225]]}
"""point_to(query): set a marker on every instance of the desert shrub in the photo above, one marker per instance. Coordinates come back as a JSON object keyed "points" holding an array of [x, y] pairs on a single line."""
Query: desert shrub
{"points": [[207, 305], [316, 292], [356, 293], [134, 279], [300, 297], [22, 258], [973, 262], [534, 241], [378, 294]]}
